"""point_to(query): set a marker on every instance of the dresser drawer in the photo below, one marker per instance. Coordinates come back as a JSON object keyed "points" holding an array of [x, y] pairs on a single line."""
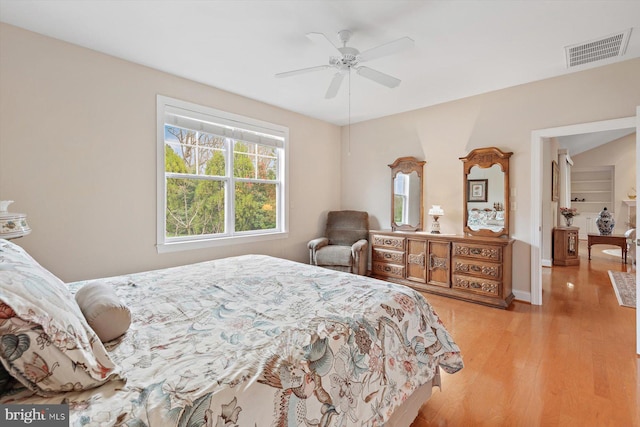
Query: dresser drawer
{"points": [[477, 268], [391, 242], [387, 270], [386, 255], [485, 252], [477, 285]]}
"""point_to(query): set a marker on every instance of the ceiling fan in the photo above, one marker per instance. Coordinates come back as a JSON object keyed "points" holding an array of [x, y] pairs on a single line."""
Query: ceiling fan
{"points": [[350, 58]]}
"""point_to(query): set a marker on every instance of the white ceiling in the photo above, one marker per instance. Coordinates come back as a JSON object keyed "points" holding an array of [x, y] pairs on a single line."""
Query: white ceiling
{"points": [[579, 143], [462, 48]]}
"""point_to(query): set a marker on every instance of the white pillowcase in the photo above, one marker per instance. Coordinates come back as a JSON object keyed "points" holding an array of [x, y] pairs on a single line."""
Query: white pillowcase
{"points": [[45, 341]]}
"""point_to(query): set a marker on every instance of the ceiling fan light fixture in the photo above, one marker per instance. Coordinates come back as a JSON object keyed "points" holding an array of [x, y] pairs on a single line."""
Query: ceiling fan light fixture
{"points": [[351, 57]]}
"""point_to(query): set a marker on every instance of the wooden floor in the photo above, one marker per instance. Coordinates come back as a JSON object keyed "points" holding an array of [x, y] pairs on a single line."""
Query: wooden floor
{"points": [[570, 362]]}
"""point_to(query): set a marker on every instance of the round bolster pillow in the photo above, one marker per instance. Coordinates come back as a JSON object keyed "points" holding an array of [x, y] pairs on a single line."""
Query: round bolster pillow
{"points": [[107, 315]]}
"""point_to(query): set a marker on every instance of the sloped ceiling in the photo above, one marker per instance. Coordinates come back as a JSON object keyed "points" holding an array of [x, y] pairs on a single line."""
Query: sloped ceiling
{"points": [[462, 48], [576, 144]]}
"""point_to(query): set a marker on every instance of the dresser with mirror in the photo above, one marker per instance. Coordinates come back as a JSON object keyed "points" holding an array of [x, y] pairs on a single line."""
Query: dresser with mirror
{"points": [[475, 266]]}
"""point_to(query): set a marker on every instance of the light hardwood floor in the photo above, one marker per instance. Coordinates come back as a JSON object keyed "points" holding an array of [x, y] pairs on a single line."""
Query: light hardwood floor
{"points": [[569, 362]]}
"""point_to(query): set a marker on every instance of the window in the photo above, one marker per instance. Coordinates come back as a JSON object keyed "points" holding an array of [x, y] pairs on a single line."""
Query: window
{"points": [[221, 177]]}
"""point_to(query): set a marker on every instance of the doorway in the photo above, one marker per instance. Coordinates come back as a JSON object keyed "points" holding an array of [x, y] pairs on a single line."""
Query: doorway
{"points": [[538, 138]]}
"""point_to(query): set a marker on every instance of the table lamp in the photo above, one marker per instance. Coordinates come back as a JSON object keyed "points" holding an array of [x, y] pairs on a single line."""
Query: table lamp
{"points": [[436, 212]]}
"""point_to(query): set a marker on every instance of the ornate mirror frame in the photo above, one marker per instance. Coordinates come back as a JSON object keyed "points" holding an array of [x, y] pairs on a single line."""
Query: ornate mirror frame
{"points": [[486, 158], [408, 165]]}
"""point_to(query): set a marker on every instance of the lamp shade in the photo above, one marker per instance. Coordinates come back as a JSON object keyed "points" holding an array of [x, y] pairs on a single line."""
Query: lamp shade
{"points": [[12, 225], [436, 210]]}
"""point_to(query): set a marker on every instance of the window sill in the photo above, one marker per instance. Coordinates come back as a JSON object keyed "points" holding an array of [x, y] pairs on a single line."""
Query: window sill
{"points": [[217, 242]]}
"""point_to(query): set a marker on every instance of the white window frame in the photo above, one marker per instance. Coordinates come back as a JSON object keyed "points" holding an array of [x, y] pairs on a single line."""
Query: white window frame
{"points": [[231, 124]]}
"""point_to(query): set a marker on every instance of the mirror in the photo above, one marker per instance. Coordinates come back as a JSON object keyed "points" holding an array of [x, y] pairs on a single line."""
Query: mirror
{"points": [[486, 192], [407, 194]]}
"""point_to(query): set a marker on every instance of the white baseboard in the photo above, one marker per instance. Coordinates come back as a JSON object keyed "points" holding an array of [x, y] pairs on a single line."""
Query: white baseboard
{"points": [[547, 263], [522, 296]]}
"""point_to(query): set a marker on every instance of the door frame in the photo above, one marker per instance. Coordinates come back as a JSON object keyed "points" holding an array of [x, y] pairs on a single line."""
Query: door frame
{"points": [[637, 239], [538, 138]]}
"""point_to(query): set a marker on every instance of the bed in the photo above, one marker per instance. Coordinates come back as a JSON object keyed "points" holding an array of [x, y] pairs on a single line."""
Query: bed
{"points": [[486, 219], [243, 341]]}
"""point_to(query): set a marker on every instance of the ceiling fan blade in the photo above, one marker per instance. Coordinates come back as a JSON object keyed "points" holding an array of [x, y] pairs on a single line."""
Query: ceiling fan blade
{"points": [[386, 49], [378, 77], [321, 38], [303, 71], [334, 85]]}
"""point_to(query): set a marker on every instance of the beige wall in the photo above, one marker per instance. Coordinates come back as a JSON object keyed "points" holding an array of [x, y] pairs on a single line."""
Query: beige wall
{"points": [[78, 155], [504, 119], [621, 154]]}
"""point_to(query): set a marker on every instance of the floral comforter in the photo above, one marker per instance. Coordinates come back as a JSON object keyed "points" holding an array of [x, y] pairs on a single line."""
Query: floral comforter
{"points": [[260, 341]]}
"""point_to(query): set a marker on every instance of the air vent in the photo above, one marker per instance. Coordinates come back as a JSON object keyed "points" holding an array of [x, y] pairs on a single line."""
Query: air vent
{"points": [[597, 50]]}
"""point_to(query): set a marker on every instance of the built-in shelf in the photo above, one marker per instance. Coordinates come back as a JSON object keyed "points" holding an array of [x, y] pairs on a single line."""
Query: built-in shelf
{"points": [[604, 202], [596, 187]]}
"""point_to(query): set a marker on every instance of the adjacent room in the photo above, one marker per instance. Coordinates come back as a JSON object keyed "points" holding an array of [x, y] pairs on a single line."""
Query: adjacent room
{"points": [[321, 213]]}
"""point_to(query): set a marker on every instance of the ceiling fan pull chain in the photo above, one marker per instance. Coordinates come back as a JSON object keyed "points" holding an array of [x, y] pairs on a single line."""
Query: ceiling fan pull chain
{"points": [[349, 129]]}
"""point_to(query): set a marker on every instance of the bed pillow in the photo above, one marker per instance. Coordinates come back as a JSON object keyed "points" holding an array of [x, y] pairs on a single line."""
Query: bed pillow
{"points": [[6, 380], [45, 342], [107, 315]]}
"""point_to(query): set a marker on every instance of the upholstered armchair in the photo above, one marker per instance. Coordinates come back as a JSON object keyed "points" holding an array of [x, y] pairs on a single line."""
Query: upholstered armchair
{"points": [[345, 245], [631, 245]]}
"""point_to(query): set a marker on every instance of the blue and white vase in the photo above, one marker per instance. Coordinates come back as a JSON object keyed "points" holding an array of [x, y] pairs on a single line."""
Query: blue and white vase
{"points": [[605, 222]]}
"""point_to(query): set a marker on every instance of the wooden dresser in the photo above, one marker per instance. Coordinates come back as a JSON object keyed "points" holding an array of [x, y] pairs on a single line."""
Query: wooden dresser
{"points": [[476, 269]]}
